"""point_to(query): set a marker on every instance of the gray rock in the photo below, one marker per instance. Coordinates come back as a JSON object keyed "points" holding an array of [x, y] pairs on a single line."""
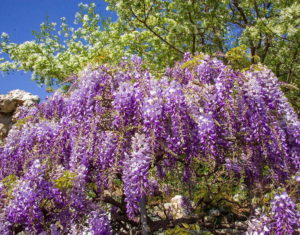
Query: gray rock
{"points": [[9, 105], [214, 212], [5, 118], [176, 208], [15, 98]]}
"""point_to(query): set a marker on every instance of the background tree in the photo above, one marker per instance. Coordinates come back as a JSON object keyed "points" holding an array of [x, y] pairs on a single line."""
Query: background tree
{"points": [[269, 29], [160, 32]]}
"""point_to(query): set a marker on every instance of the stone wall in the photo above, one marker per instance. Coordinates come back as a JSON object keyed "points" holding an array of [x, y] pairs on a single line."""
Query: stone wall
{"points": [[9, 105]]}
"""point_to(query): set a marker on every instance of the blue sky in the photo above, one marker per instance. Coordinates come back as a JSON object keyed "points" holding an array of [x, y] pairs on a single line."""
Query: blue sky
{"points": [[19, 17]]}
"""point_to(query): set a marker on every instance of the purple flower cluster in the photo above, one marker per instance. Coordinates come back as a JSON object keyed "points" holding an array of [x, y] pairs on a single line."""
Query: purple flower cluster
{"points": [[99, 224], [117, 127], [285, 214], [283, 219], [25, 207]]}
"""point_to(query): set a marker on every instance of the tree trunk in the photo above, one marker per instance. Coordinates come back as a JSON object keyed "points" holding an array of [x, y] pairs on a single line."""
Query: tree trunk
{"points": [[145, 227]]}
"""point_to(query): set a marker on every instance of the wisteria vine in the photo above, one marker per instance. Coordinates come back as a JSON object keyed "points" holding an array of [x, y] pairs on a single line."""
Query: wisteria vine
{"points": [[82, 160]]}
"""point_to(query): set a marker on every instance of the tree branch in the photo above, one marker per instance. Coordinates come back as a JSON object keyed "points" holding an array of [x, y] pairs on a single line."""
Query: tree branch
{"points": [[144, 22], [241, 11], [113, 202]]}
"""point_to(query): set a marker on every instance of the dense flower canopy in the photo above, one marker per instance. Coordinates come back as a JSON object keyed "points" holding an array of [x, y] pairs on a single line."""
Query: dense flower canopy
{"points": [[120, 132]]}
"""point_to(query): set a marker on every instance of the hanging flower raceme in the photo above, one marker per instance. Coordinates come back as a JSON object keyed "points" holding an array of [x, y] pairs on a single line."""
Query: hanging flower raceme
{"points": [[135, 173]]}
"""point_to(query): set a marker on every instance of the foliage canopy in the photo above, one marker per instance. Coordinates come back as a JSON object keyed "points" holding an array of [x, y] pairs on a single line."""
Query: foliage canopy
{"points": [[160, 32]]}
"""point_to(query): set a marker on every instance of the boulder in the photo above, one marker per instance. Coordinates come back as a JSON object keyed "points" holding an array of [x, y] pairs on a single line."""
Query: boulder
{"points": [[9, 104], [16, 98], [178, 207]]}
